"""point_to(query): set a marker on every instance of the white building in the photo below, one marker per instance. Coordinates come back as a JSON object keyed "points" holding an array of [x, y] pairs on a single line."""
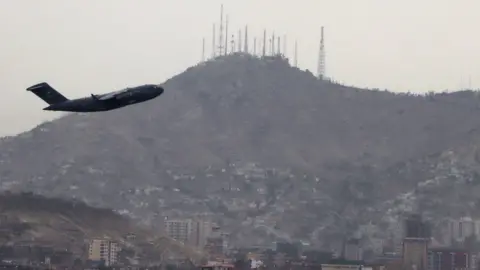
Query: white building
{"points": [[103, 250], [462, 228], [178, 229], [189, 231]]}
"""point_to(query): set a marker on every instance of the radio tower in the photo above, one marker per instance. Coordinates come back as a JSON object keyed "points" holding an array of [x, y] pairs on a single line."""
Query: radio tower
{"points": [[246, 39], [273, 44], [255, 46], [213, 42], [264, 42], [239, 40], [220, 34], [226, 35], [321, 57]]}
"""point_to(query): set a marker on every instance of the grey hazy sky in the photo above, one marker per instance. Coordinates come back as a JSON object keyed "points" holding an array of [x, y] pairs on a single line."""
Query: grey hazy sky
{"points": [[91, 46]]}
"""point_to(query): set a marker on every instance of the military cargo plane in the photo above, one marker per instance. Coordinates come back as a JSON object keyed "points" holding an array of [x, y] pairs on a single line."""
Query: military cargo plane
{"points": [[95, 103]]}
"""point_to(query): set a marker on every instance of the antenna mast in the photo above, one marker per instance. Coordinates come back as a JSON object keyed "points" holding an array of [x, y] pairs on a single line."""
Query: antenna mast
{"points": [[213, 42], [232, 44], [264, 42], [255, 46], [246, 39], [285, 46], [321, 57], [239, 40], [226, 35], [273, 43], [220, 34]]}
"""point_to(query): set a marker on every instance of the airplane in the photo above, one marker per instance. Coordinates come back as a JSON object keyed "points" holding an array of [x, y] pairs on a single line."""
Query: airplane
{"points": [[95, 103]]}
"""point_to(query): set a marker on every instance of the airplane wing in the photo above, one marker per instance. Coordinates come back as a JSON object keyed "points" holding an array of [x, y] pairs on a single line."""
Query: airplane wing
{"points": [[110, 96]]}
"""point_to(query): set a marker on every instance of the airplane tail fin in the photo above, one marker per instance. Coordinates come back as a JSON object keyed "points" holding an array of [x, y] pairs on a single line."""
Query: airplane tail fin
{"points": [[47, 93]]}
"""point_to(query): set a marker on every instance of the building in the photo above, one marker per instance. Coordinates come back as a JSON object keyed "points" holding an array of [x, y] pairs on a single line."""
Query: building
{"points": [[179, 229], [343, 265], [449, 259], [189, 231], [214, 246], [103, 250], [415, 253], [201, 230], [462, 228], [353, 251], [415, 227]]}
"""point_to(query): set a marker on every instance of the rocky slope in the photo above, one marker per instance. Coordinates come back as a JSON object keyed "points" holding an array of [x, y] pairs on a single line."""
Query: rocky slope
{"points": [[256, 140], [26, 218]]}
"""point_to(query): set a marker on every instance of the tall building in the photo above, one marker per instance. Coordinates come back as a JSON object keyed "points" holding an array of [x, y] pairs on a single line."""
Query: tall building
{"points": [[189, 231], [179, 229], [353, 251], [103, 250], [201, 230], [416, 227], [415, 253]]}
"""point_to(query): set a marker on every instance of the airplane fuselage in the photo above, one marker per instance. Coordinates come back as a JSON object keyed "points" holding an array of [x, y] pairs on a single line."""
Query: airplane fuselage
{"points": [[109, 101]]}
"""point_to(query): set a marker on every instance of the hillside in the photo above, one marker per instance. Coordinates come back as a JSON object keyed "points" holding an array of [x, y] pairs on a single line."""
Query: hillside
{"points": [[26, 218], [251, 139]]}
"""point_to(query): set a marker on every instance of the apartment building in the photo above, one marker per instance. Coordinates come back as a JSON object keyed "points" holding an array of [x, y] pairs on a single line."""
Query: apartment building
{"points": [[179, 229], [194, 232], [103, 250]]}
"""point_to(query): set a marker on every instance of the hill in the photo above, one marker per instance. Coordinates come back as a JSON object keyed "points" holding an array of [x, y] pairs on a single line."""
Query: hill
{"points": [[256, 140], [31, 219]]}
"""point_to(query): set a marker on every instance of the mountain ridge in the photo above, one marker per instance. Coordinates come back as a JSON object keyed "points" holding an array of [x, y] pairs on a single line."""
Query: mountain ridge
{"points": [[236, 136]]}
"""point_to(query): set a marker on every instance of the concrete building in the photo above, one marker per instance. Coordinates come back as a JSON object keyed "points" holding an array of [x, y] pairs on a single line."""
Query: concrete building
{"points": [[462, 228], [416, 227], [415, 253], [353, 251], [179, 229], [449, 258], [201, 230], [103, 250], [189, 231]]}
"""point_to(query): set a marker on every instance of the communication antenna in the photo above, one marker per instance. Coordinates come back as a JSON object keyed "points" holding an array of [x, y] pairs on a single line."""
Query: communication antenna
{"points": [[273, 43], [284, 45], [295, 57], [321, 57], [232, 44], [255, 46], [226, 35], [264, 42], [246, 39], [239, 40], [220, 36], [213, 42]]}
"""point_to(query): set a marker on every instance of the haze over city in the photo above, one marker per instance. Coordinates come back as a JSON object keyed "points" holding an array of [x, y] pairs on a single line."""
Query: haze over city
{"points": [[83, 47]]}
